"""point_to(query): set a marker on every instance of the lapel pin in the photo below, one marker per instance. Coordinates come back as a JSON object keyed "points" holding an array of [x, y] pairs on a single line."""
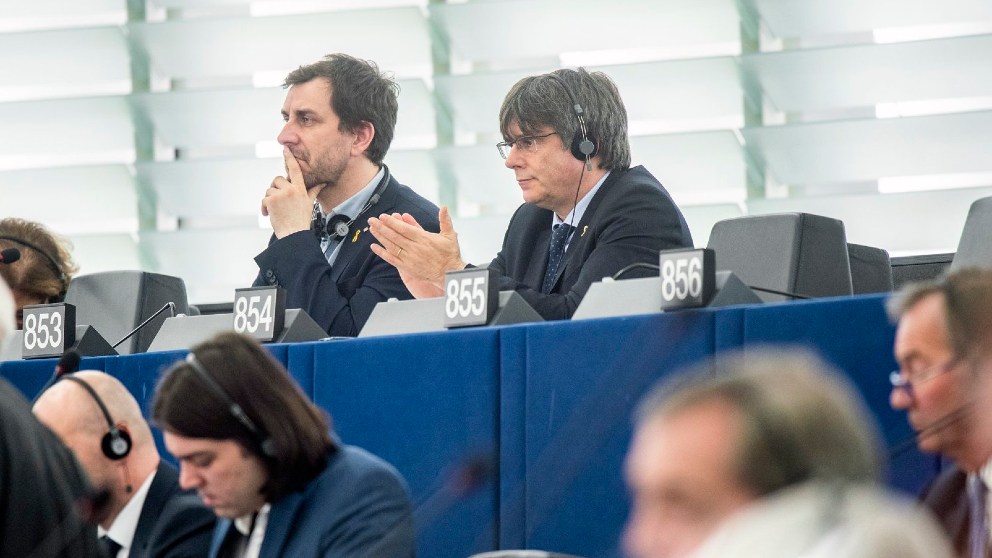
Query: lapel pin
{"points": [[584, 229], [355, 238]]}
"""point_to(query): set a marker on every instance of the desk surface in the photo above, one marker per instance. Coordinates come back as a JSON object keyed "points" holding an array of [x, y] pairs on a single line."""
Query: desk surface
{"points": [[551, 403]]}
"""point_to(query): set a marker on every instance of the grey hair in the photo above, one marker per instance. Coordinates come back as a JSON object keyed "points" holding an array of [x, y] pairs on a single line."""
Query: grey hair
{"points": [[800, 419], [967, 304], [537, 102]]}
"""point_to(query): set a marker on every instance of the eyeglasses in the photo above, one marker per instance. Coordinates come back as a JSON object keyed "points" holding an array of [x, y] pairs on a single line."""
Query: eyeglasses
{"points": [[910, 380], [527, 143]]}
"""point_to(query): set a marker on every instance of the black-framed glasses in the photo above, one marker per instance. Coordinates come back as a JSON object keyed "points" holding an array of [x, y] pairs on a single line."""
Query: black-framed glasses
{"points": [[910, 380], [527, 143]]}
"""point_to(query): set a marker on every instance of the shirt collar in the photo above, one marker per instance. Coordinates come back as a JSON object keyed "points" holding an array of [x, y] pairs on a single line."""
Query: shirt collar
{"points": [[253, 525], [126, 523], [575, 215], [354, 204]]}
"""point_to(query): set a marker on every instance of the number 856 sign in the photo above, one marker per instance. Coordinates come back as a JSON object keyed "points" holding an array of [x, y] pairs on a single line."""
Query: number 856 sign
{"points": [[687, 278]]}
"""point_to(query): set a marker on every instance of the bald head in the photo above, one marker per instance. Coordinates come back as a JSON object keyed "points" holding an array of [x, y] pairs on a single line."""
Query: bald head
{"points": [[75, 417]]}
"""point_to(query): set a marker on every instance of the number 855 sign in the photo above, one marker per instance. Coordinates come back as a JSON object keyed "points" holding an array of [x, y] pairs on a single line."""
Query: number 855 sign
{"points": [[470, 297]]}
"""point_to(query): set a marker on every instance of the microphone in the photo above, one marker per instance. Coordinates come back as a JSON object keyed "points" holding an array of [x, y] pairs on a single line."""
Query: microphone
{"points": [[67, 364], [783, 293], [634, 266], [10, 255], [909, 442], [169, 304]]}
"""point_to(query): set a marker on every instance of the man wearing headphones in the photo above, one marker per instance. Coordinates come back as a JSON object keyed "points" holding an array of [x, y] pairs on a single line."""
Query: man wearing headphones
{"points": [[261, 454], [586, 215], [147, 514], [340, 113]]}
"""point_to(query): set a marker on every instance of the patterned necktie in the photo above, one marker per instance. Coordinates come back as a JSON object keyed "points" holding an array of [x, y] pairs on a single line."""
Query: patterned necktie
{"points": [[977, 496], [110, 546], [559, 238]]}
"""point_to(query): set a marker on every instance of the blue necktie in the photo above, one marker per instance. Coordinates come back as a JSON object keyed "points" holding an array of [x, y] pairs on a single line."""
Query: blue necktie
{"points": [[977, 496], [559, 238]]}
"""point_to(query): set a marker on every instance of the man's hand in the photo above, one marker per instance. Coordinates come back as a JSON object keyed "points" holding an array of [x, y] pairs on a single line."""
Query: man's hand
{"points": [[287, 202], [422, 257]]}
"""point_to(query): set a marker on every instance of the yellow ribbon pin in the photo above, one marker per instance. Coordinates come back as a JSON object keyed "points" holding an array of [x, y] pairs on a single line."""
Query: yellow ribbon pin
{"points": [[584, 229]]}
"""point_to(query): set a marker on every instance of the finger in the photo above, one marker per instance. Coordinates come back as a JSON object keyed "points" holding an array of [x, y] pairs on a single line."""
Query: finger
{"points": [[444, 218], [293, 171], [265, 209], [384, 233], [312, 192], [385, 255], [410, 220]]}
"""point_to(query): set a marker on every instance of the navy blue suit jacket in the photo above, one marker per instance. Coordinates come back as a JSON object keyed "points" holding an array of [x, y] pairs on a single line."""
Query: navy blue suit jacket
{"points": [[629, 220], [173, 523], [357, 507], [341, 297]]}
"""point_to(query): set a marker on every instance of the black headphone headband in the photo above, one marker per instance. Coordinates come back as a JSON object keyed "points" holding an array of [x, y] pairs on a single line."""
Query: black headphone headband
{"points": [[338, 226], [582, 147], [116, 444], [49, 259], [264, 442]]}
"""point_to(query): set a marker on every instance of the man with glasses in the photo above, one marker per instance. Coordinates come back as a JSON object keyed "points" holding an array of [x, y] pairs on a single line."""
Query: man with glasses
{"points": [[587, 213], [943, 346]]}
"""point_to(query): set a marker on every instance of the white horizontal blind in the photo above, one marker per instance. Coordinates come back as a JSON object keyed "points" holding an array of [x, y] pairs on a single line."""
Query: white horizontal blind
{"points": [[145, 131]]}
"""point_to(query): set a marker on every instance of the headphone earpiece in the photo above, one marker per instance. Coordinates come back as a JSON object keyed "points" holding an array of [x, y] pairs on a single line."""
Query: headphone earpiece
{"points": [[338, 226], [116, 443], [583, 147]]}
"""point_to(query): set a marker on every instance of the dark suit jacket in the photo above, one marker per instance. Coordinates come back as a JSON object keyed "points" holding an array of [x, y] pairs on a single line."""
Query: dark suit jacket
{"points": [[357, 507], [40, 485], [173, 523], [630, 219], [947, 498], [340, 298]]}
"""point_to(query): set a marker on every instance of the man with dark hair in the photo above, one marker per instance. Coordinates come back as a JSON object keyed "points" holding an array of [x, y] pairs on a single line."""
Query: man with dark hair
{"points": [[340, 114], [262, 456], [586, 215], [147, 514], [770, 455], [944, 349]]}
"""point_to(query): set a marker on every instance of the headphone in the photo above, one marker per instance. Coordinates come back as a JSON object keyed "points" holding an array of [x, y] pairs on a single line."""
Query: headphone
{"points": [[338, 226], [583, 148], [51, 263], [265, 443], [116, 444]]}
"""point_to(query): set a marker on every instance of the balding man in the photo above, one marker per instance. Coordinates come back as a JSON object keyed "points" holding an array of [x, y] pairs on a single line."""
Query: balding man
{"points": [[148, 515]]}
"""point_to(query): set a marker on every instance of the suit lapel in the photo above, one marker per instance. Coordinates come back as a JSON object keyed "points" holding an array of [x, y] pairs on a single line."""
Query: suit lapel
{"points": [[220, 533], [164, 485], [280, 521], [355, 247], [580, 237]]}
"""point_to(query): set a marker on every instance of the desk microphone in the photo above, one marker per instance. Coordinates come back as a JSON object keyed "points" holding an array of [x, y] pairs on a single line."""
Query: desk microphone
{"points": [[67, 364], [10, 255], [169, 304]]}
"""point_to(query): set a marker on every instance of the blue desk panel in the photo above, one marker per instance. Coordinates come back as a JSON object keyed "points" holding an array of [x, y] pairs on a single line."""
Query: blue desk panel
{"points": [[427, 404], [581, 382]]}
